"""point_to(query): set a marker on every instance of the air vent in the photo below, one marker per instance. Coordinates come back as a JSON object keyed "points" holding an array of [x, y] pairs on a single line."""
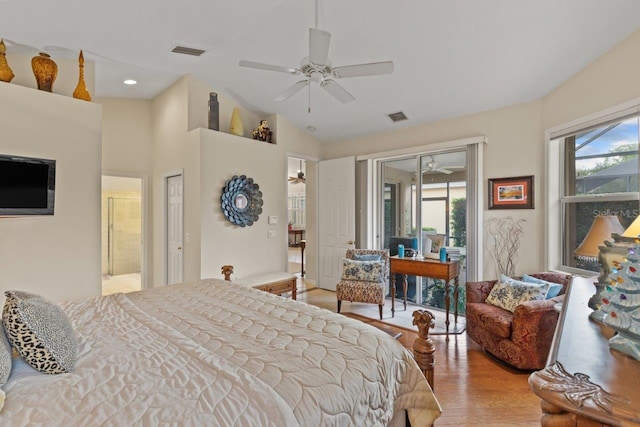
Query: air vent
{"points": [[397, 117], [187, 51]]}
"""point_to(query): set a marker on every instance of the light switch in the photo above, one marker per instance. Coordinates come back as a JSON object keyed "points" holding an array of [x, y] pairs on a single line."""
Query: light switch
{"points": [[273, 219], [272, 234]]}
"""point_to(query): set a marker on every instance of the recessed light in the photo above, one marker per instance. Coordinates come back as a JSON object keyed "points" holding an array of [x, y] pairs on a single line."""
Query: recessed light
{"points": [[130, 82], [311, 128]]}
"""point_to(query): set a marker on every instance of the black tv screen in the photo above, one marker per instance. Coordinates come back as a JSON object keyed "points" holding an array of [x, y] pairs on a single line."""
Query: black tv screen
{"points": [[27, 186]]}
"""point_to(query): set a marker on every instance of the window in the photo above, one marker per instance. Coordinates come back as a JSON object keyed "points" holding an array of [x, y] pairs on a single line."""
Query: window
{"points": [[599, 178]]}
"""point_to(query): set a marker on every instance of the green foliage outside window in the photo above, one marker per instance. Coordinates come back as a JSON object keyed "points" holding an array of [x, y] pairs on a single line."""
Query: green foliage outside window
{"points": [[459, 222]]}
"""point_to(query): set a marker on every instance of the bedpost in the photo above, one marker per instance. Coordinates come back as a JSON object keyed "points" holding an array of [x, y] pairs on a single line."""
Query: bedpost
{"points": [[423, 348], [227, 270]]}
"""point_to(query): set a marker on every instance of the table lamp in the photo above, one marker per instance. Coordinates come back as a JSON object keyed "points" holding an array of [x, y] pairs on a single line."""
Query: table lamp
{"points": [[587, 253]]}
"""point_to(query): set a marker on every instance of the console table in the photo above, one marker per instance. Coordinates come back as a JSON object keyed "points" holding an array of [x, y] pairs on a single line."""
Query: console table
{"points": [[585, 382], [447, 271], [298, 236]]}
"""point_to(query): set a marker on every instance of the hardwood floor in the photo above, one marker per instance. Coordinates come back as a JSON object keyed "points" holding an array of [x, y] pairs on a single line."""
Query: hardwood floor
{"points": [[472, 388]]}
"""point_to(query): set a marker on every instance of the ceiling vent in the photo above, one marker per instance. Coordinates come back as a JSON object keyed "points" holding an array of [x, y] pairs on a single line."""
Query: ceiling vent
{"points": [[187, 51], [397, 117]]}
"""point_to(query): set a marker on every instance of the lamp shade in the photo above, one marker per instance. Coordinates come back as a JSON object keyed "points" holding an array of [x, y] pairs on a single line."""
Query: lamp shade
{"points": [[634, 229], [600, 231]]}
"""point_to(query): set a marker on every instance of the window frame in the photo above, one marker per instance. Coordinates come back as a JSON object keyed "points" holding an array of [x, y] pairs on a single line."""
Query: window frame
{"points": [[556, 200]]}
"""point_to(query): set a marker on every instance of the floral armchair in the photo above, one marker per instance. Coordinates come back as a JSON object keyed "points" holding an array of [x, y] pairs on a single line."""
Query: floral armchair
{"points": [[521, 338], [365, 276]]}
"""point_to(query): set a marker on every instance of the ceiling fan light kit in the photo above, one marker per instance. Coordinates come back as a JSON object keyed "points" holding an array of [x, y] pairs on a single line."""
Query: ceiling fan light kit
{"points": [[299, 178], [317, 68]]}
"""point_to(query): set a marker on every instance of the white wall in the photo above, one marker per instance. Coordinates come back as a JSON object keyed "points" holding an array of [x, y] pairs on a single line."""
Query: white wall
{"points": [[181, 142], [248, 249], [127, 143], [56, 256], [515, 148], [610, 80]]}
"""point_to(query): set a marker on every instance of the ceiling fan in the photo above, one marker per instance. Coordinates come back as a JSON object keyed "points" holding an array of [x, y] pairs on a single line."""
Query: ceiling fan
{"points": [[317, 68], [299, 178], [433, 166]]}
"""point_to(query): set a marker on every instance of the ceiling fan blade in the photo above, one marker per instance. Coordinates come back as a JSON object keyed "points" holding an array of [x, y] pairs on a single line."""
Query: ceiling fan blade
{"points": [[292, 90], [319, 46], [269, 67], [445, 171], [360, 70], [337, 91]]}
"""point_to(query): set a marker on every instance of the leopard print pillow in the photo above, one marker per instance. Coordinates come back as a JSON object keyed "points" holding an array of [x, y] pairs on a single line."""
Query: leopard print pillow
{"points": [[40, 331]]}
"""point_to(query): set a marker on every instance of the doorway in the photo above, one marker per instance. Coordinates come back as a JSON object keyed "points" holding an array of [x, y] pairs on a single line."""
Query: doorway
{"points": [[174, 199], [122, 242], [297, 215]]}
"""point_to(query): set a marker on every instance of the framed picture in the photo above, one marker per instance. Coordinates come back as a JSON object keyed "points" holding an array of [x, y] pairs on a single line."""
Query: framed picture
{"points": [[437, 242], [511, 193]]}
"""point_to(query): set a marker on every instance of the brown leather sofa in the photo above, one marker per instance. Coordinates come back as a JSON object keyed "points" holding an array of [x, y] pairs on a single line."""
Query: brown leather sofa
{"points": [[522, 338]]}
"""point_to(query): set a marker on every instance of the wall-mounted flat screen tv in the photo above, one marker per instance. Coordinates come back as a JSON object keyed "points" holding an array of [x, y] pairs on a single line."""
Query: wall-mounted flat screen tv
{"points": [[27, 186]]}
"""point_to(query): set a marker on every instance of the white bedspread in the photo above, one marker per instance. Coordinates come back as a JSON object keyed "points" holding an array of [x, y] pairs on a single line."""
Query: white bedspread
{"points": [[215, 354]]}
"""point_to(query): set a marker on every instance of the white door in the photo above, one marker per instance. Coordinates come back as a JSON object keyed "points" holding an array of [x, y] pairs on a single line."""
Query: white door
{"points": [[337, 221], [174, 229]]}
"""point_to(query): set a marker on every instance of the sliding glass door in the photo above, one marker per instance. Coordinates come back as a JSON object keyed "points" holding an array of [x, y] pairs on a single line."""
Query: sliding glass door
{"points": [[425, 198]]}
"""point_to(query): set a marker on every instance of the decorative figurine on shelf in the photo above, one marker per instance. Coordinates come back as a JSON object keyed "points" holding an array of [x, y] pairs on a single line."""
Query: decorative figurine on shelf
{"points": [[6, 74], [262, 132], [621, 304]]}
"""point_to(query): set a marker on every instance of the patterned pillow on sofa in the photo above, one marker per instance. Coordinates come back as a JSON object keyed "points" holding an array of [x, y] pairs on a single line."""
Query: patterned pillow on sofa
{"points": [[554, 288], [509, 293], [40, 331], [362, 271]]}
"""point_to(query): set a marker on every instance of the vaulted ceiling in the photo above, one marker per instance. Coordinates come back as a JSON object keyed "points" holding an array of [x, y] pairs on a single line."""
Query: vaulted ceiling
{"points": [[450, 57]]}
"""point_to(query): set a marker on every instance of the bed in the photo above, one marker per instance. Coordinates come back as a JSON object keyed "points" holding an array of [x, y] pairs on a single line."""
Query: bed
{"points": [[217, 354]]}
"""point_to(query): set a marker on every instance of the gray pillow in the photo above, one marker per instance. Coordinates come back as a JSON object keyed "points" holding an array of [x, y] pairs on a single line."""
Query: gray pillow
{"points": [[5, 364], [5, 359], [40, 331]]}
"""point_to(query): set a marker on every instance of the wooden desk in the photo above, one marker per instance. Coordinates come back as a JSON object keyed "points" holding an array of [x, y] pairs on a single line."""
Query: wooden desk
{"points": [[434, 269], [298, 236], [586, 383]]}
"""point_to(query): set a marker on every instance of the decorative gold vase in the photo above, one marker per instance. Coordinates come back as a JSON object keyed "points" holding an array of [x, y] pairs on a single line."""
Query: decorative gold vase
{"points": [[236, 123], [45, 71], [6, 74], [81, 91]]}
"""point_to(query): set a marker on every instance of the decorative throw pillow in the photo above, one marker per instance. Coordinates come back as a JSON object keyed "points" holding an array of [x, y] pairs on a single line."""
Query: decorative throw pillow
{"points": [[40, 331], [5, 364], [364, 271], [367, 257], [508, 294], [554, 288]]}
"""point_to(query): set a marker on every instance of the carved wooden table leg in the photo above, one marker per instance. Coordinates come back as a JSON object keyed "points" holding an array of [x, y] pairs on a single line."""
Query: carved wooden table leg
{"points": [[404, 290], [456, 295], [447, 304], [423, 348], [303, 244], [227, 270], [393, 295]]}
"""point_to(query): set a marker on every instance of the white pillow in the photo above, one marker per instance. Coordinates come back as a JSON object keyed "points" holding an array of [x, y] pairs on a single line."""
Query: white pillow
{"points": [[508, 293]]}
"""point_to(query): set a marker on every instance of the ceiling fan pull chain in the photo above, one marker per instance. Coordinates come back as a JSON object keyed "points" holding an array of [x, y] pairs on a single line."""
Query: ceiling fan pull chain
{"points": [[309, 108]]}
